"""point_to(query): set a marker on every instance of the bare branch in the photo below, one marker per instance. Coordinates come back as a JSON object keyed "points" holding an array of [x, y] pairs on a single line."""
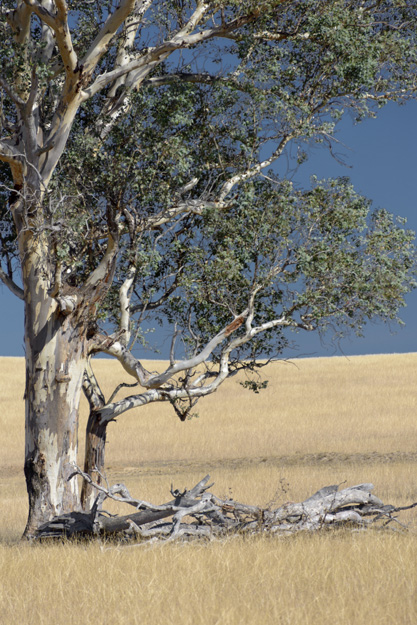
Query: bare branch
{"points": [[11, 285], [141, 67], [63, 38], [67, 303], [114, 347], [158, 380], [254, 171], [41, 11], [92, 389], [124, 302], [58, 23], [192, 207], [147, 62], [115, 104], [30, 104], [267, 35], [119, 387], [126, 43], [78, 74], [202, 78], [107, 32], [48, 38], [156, 383]]}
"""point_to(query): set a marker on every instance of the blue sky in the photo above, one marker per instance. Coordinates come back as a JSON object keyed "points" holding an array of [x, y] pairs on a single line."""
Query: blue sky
{"points": [[382, 159]]}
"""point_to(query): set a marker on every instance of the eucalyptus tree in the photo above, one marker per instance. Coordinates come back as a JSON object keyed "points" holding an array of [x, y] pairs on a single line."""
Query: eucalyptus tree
{"points": [[137, 143]]}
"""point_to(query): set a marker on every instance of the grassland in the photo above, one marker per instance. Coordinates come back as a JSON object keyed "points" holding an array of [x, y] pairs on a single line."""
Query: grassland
{"points": [[321, 421]]}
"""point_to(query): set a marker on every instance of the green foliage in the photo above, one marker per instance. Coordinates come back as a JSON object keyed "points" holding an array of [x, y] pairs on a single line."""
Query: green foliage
{"points": [[254, 385], [319, 257]]}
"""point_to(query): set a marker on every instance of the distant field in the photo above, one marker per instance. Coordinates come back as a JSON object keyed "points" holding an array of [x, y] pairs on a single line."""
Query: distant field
{"points": [[321, 421]]}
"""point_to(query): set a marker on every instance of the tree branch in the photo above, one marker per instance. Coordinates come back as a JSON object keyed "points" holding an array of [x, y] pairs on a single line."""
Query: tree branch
{"points": [[91, 389], [59, 25], [254, 171], [102, 272], [124, 303], [7, 280], [114, 347], [9, 154], [12, 94], [19, 21], [115, 105], [183, 39], [149, 381], [63, 38], [126, 43], [155, 383], [202, 78], [48, 38], [192, 207], [107, 32], [42, 12]]}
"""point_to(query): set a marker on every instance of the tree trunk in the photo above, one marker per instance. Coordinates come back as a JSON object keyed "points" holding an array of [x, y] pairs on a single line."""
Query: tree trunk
{"points": [[95, 444], [55, 362]]}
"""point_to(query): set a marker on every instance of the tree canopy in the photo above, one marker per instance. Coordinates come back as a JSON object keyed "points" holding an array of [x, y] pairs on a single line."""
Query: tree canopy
{"points": [[138, 187]]}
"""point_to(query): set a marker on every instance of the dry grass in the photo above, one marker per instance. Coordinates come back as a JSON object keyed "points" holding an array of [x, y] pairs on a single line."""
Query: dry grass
{"points": [[333, 579], [321, 421]]}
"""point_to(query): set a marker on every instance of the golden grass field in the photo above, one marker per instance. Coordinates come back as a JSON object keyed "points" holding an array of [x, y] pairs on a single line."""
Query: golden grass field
{"points": [[321, 421]]}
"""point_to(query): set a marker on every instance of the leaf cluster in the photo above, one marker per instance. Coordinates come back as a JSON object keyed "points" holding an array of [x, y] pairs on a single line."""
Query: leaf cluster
{"points": [[319, 257]]}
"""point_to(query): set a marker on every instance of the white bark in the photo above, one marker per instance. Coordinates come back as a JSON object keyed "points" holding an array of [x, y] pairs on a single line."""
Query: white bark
{"points": [[101, 42], [55, 366], [58, 23], [124, 302], [213, 517], [134, 367], [253, 171]]}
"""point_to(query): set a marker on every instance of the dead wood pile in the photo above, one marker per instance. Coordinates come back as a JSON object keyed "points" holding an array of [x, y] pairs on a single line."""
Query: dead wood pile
{"points": [[199, 513]]}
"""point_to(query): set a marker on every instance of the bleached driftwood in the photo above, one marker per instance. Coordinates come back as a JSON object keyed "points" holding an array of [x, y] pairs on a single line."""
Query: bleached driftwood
{"points": [[210, 516]]}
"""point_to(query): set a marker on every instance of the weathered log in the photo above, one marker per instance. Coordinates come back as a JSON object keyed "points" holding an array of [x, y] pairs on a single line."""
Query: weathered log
{"points": [[181, 501], [212, 517], [78, 524]]}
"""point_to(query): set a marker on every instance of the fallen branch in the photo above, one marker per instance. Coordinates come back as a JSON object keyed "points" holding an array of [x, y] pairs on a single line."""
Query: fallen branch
{"points": [[212, 517]]}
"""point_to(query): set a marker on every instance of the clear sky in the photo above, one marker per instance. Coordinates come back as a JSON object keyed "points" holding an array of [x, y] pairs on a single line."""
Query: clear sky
{"points": [[382, 159]]}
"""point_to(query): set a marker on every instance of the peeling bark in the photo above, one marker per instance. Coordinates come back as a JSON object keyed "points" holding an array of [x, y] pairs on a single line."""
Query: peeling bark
{"points": [[55, 362]]}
